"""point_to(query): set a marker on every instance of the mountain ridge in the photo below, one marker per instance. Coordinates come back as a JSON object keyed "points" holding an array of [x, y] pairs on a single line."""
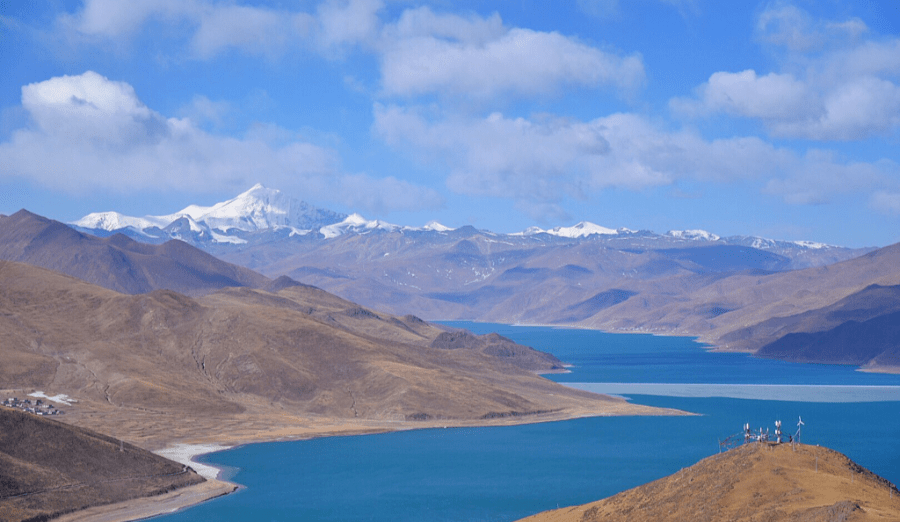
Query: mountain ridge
{"points": [[261, 209]]}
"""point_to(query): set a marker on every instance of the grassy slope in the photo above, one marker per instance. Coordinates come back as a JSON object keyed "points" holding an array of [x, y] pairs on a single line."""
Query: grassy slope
{"points": [[752, 483]]}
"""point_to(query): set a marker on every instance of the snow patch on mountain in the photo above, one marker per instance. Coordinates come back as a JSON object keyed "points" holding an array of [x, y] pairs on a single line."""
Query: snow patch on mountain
{"points": [[693, 235], [812, 245]]}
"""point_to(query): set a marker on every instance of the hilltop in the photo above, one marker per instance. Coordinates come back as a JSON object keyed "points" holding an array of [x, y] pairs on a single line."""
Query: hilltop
{"points": [[118, 262], [753, 482]]}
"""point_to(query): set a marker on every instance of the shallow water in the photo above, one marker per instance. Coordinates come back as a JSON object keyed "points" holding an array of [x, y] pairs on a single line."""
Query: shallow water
{"points": [[505, 473]]}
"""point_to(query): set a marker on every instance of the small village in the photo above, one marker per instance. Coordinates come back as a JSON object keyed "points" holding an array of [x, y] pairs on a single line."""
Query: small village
{"points": [[36, 407]]}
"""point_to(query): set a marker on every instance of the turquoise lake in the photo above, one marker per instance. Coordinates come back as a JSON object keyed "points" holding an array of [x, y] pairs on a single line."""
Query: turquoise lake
{"points": [[505, 473]]}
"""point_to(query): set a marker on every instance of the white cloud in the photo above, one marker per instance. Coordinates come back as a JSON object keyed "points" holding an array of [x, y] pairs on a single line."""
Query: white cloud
{"points": [[211, 27], [90, 133], [770, 97], [476, 57], [421, 53], [496, 155], [849, 91], [539, 161]]}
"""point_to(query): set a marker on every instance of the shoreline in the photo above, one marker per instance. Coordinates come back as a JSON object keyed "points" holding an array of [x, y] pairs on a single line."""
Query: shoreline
{"points": [[186, 453]]}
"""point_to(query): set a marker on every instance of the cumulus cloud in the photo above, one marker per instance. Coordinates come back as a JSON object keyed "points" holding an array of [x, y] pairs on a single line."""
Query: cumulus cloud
{"points": [[771, 97], [421, 53], [91, 133], [848, 91], [544, 159], [478, 57]]}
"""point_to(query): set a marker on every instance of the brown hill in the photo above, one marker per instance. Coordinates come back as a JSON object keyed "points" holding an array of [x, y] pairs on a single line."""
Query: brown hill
{"points": [[629, 283], [754, 482], [746, 311], [117, 262], [872, 343], [240, 364], [48, 468], [860, 329]]}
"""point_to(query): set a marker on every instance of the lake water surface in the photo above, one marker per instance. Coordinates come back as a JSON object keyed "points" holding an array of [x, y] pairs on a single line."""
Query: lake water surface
{"points": [[505, 473]]}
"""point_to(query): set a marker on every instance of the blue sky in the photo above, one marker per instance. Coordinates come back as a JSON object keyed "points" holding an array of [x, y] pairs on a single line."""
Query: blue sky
{"points": [[777, 119]]}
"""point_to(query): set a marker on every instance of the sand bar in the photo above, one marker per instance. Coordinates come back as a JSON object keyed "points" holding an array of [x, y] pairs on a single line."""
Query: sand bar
{"points": [[186, 453]]}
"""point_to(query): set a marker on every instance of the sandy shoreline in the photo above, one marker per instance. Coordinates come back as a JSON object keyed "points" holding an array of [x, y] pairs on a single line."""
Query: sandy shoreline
{"points": [[186, 453]]}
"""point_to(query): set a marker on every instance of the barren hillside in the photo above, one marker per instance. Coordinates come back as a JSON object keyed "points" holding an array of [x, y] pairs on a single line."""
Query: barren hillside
{"points": [[753, 482], [241, 364]]}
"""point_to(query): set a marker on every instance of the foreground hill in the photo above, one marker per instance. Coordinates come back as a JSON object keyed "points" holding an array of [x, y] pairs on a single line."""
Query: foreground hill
{"points": [[242, 364], [753, 482], [48, 468], [117, 262]]}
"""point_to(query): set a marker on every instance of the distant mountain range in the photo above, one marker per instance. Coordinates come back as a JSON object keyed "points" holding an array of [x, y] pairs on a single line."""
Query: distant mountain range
{"points": [[691, 282], [261, 214]]}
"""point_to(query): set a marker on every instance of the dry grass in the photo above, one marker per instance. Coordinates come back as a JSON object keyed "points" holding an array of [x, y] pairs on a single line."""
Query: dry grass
{"points": [[246, 364], [754, 482]]}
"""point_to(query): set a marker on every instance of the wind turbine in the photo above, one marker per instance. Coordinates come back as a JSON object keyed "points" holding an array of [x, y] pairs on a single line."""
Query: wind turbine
{"points": [[799, 424]]}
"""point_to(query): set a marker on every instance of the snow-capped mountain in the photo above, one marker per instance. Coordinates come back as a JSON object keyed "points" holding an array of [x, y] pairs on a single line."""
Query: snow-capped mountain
{"points": [[354, 223], [582, 229], [262, 215], [259, 209]]}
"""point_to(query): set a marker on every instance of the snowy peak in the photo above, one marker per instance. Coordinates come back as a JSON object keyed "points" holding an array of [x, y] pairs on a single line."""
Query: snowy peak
{"points": [[114, 221], [583, 229], [434, 226], [693, 235], [357, 224], [258, 209]]}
